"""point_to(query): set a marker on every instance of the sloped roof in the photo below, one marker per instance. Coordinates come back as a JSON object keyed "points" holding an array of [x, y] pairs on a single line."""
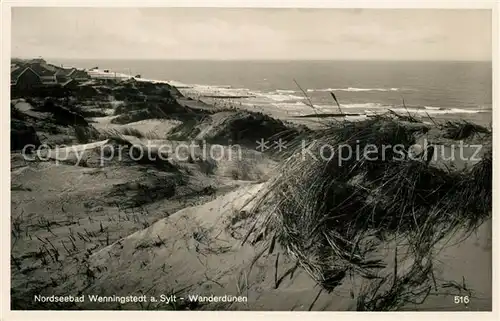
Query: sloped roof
{"points": [[80, 73], [16, 72], [64, 71], [50, 67], [68, 82], [41, 70]]}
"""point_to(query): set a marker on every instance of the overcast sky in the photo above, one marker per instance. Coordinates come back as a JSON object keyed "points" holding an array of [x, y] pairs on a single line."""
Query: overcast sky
{"points": [[197, 33]]}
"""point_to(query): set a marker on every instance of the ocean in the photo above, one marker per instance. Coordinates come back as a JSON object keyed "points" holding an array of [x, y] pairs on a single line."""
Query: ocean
{"points": [[435, 88]]}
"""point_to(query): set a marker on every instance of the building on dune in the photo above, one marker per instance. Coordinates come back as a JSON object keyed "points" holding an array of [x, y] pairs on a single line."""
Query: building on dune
{"points": [[64, 75], [36, 76], [25, 79], [79, 75], [47, 73]]}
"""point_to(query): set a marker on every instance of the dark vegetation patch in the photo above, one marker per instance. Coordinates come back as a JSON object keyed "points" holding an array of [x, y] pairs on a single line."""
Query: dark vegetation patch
{"points": [[15, 113], [61, 115], [242, 127], [166, 109], [146, 191], [22, 135], [131, 154], [144, 100], [86, 134]]}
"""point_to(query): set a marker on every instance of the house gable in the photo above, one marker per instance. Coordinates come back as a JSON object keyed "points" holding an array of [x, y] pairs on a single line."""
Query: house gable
{"points": [[45, 73], [27, 79], [15, 73]]}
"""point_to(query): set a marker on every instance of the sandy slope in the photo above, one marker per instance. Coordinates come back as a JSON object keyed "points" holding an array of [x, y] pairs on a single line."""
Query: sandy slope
{"points": [[198, 250], [154, 127], [62, 212]]}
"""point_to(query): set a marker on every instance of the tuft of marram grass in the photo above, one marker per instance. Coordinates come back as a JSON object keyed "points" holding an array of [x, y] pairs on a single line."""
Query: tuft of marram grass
{"points": [[462, 129], [331, 216]]}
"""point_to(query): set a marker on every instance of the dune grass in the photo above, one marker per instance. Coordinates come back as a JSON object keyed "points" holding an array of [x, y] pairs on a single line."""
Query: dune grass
{"points": [[331, 217], [462, 129]]}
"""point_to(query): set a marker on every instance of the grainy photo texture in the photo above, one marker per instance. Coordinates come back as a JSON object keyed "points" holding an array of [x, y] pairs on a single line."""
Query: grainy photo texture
{"points": [[251, 159]]}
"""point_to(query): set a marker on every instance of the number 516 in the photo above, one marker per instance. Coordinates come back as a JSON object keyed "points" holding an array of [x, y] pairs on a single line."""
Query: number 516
{"points": [[457, 299]]}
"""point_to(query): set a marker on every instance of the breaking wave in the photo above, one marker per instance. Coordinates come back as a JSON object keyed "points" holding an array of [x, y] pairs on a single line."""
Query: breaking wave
{"points": [[435, 110], [354, 89], [279, 97]]}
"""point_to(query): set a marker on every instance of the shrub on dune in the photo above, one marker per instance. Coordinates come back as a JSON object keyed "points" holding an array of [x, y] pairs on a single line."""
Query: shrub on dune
{"points": [[86, 134]]}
